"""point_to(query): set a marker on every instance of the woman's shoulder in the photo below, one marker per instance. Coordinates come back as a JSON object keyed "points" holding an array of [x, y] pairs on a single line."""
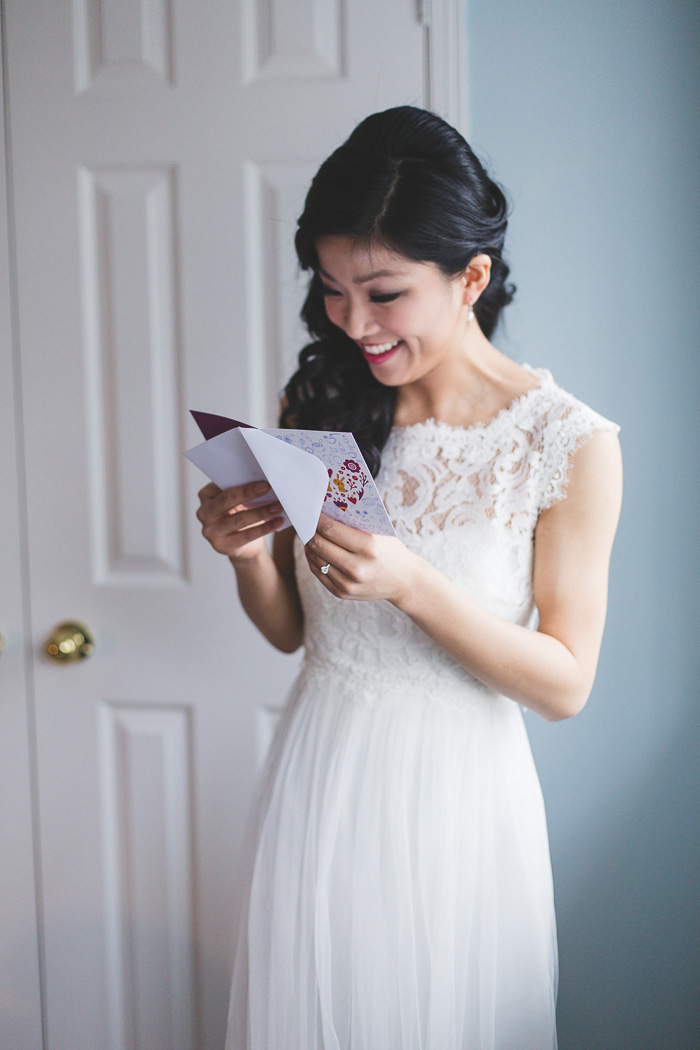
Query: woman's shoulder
{"points": [[561, 424], [556, 406]]}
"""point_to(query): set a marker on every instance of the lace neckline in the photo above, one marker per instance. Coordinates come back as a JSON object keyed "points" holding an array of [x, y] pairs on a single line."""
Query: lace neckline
{"points": [[544, 376]]}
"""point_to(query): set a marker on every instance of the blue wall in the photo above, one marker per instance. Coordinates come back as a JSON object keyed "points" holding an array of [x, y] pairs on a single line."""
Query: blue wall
{"points": [[589, 114]]}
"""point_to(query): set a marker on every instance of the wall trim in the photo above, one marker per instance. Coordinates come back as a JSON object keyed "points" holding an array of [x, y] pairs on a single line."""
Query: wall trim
{"points": [[446, 82]]}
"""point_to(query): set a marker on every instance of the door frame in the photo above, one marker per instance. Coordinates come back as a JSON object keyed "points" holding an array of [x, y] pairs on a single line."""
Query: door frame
{"points": [[21, 998]]}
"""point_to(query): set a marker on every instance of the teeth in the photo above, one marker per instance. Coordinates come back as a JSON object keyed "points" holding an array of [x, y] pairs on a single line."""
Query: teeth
{"points": [[379, 348]]}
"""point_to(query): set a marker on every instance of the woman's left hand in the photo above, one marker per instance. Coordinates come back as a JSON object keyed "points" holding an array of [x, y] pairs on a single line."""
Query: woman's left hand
{"points": [[363, 567]]}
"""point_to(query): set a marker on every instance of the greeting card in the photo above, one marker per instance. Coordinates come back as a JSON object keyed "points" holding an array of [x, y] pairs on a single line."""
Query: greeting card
{"points": [[308, 471]]}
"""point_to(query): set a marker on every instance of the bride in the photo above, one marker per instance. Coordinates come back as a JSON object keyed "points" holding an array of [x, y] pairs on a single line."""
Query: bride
{"points": [[399, 889]]}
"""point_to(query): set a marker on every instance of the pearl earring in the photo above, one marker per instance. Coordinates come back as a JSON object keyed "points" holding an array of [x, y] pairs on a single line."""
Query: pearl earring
{"points": [[470, 315]]}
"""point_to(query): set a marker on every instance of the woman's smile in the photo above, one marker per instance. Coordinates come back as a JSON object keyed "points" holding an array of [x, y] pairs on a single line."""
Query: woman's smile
{"points": [[378, 353], [406, 317]]}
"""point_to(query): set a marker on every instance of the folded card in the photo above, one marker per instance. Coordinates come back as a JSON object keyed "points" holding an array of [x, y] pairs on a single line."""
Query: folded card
{"points": [[308, 471]]}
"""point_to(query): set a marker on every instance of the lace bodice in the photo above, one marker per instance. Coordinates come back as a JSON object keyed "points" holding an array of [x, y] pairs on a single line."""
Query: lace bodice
{"points": [[466, 499]]}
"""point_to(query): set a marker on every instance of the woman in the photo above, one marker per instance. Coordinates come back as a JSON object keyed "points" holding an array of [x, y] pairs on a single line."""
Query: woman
{"points": [[400, 892]]}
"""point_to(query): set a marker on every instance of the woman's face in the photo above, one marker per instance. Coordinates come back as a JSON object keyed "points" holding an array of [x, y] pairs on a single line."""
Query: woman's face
{"points": [[406, 317]]}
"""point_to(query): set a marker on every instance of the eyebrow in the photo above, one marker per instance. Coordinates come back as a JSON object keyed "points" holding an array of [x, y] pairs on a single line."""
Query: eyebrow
{"points": [[368, 277]]}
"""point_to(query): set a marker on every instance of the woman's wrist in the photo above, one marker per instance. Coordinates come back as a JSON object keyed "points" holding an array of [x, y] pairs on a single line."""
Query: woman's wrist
{"points": [[251, 564], [410, 585]]}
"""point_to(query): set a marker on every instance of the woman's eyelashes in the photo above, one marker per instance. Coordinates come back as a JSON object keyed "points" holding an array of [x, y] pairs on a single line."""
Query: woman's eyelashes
{"points": [[385, 297], [375, 297]]}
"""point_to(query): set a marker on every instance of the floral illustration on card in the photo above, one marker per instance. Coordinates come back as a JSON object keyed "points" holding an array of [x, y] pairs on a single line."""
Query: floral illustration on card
{"points": [[346, 485]]}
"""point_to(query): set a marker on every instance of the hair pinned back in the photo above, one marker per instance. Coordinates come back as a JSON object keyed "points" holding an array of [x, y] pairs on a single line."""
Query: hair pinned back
{"points": [[408, 181]]}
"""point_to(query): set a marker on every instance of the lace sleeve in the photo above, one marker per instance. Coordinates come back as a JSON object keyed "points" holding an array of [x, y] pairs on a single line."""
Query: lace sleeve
{"points": [[567, 426]]}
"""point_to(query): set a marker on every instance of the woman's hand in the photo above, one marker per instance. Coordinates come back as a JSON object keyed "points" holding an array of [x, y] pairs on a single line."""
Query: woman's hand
{"points": [[231, 526], [363, 567]]}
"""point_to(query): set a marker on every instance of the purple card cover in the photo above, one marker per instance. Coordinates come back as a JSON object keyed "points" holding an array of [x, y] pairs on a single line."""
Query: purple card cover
{"points": [[212, 425]]}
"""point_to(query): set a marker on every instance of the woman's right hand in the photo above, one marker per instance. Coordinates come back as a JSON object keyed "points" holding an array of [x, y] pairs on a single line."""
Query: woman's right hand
{"points": [[231, 526]]}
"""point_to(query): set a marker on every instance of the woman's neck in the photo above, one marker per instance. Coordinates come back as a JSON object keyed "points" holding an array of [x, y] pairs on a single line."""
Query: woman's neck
{"points": [[469, 387]]}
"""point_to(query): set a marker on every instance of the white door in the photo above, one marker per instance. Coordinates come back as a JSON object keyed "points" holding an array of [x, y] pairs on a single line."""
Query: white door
{"points": [[159, 156]]}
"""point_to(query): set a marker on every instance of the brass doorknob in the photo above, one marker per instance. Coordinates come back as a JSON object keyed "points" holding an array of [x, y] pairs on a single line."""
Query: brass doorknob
{"points": [[69, 641]]}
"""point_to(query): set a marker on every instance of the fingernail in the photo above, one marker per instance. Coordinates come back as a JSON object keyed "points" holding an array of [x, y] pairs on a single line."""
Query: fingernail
{"points": [[262, 486]]}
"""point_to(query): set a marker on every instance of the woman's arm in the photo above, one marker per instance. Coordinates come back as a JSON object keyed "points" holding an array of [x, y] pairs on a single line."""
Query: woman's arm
{"points": [[550, 670], [266, 583], [268, 591]]}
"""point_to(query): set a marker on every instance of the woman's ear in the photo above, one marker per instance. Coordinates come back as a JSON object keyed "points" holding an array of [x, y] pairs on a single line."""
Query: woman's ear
{"points": [[476, 277]]}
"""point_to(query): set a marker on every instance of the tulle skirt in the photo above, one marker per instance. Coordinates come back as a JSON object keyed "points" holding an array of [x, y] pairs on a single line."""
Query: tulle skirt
{"points": [[399, 881]]}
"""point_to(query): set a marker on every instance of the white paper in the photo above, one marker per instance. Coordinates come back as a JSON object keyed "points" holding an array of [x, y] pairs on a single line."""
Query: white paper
{"points": [[297, 478]]}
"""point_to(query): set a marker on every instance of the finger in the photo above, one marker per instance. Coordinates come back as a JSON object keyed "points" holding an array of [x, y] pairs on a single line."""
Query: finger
{"points": [[220, 529], [238, 494], [315, 564], [343, 535], [243, 538], [228, 499], [209, 491], [317, 561], [323, 551], [243, 517], [335, 582]]}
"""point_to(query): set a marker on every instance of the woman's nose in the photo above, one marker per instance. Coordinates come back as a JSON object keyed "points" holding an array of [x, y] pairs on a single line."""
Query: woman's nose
{"points": [[358, 321]]}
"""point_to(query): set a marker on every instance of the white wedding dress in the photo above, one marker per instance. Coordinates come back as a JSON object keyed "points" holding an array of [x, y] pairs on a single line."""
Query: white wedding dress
{"points": [[400, 888]]}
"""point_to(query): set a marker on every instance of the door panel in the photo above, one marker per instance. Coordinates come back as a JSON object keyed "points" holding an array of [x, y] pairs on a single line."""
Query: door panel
{"points": [[161, 153]]}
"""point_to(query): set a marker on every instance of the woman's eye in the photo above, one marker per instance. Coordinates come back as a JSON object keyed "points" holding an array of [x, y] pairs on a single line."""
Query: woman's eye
{"points": [[376, 297]]}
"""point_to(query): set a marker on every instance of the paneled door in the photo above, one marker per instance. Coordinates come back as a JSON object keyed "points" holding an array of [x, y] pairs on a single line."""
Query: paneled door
{"points": [[158, 156]]}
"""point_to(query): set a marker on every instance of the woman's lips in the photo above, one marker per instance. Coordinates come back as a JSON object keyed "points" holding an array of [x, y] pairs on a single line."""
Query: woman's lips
{"points": [[377, 353]]}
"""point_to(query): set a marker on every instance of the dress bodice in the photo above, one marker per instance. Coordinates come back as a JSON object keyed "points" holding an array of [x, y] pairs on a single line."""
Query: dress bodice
{"points": [[467, 499]]}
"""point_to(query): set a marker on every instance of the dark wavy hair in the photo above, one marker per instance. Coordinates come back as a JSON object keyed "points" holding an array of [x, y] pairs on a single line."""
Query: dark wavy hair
{"points": [[408, 181]]}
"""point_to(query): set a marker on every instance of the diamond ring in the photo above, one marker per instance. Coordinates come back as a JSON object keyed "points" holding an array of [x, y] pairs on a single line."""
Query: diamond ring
{"points": [[325, 569]]}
